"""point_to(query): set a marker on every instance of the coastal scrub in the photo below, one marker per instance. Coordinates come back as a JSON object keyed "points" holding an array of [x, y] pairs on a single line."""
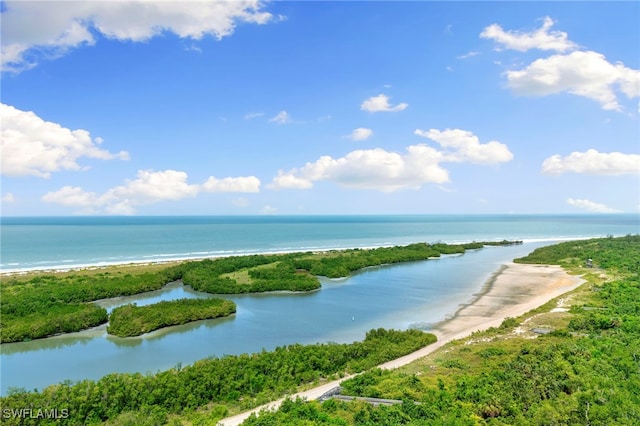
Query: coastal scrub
{"points": [[131, 320]]}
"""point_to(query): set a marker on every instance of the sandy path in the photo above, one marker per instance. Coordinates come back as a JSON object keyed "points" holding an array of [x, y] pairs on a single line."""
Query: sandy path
{"points": [[512, 291]]}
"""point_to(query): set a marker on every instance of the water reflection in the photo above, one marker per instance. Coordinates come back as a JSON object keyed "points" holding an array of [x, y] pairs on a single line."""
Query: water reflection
{"points": [[172, 291], [51, 343], [163, 332], [398, 296]]}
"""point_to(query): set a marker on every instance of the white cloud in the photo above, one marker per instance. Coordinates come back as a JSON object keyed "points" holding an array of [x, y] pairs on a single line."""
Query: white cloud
{"points": [[193, 48], [590, 206], [541, 38], [62, 26], [34, 147], [370, 169], [8, 198], [148, 187], [381, 103], [464, 146], [252, 115], [151, 187], [74, 196], [580, 73], [593, 162], [268, 210], [469, 55], [391, 171], [232, 184], [290, 181], [360, 134], [282, 117]]}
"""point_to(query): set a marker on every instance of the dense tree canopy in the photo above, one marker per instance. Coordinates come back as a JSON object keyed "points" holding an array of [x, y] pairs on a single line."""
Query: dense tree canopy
{"points": [[248, 380], [131, 320], [45, 305], [587, 372]]}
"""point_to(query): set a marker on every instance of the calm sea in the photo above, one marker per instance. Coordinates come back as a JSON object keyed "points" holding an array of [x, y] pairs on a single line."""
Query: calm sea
{"points": [[411, 295], [65, 242]]}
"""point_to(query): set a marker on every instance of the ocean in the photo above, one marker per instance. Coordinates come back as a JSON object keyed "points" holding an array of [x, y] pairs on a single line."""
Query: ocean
{"points": [[29, 243], [410, 295]]}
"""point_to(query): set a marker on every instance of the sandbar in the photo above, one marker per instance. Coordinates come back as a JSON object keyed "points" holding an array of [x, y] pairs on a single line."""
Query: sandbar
{"points": [[510, 292]]}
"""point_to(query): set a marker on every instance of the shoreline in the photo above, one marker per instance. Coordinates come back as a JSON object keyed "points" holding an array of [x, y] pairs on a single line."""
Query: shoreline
{"points": [[187, 257], [512, 290], [163, 262]]}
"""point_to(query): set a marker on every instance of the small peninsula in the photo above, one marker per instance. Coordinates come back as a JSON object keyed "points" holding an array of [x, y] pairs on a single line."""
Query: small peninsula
{"points": [[44, 304]]}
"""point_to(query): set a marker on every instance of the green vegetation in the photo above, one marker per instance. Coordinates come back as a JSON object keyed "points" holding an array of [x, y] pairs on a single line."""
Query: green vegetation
{"points": [[131, 320], [265, 273], [298, 271], [586, 371], [58, 318], [44, 305], [220, 384], [615, 254]]}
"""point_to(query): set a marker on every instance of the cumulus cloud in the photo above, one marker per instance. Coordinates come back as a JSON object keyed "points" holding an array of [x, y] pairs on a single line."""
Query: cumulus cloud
{"points": [[360, 134], [63, 26], [582, 73], [594, 163], [151, 187], [32, 146], [380, 103], [282, 117], [590, 206], [370, 169], [464, 146], [541, 39], [289, 180], [232, 184], [8, 198], [148, 187], [388, 171], [74, 196]]}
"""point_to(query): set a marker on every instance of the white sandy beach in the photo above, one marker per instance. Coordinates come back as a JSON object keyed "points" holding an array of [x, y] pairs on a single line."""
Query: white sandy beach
{"points": [[514, 290]]}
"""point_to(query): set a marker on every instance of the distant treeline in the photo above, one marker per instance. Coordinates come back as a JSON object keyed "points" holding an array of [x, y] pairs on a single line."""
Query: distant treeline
{"points": [[586, 371], [45, 305], [243, 381], [621, 254], [131, 320]]}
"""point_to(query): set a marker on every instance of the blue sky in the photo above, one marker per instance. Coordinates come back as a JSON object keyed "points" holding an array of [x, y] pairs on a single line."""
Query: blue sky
{"points": [[160, 108]]}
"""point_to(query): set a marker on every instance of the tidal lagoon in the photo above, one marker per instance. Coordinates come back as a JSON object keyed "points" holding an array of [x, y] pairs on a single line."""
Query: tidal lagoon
{"points": [[411, 295]]}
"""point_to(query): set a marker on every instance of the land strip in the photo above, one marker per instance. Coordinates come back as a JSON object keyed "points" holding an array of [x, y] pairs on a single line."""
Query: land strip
{"points": [[512, 291]]}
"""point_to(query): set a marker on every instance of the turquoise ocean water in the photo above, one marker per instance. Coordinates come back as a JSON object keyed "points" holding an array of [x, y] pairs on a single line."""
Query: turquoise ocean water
{"points": [[412, 295], [58, 242]]}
